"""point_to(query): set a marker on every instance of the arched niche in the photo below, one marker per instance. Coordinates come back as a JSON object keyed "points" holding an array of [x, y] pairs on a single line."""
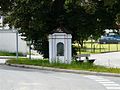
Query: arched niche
{"points": [[60, 49]]}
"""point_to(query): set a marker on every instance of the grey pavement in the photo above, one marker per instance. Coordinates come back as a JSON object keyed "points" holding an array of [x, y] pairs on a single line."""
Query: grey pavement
{"points": [[4, 58], [2, 61], [15, 78], [107, 59], [35, 56]]}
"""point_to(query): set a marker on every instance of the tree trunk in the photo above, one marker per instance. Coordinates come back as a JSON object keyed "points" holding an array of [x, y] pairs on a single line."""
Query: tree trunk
{"points": [[81, 43], [79, 48]]}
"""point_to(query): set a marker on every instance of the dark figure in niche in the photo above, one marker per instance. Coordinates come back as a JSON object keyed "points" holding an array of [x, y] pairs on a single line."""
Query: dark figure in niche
{"points": [[60, 49]]}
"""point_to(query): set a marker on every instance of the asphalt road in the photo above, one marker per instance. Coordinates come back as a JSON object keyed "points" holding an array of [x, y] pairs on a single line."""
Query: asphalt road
{"points": [[15, 78], [107, 59]]}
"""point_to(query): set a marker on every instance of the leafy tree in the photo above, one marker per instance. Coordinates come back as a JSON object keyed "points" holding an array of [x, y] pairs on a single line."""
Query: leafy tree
{"points": [[5, 6], [35, 19], [80, 23]]}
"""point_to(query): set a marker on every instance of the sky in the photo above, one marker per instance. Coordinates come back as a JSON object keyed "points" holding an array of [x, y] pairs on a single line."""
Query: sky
{"points": [[5, 27], [0, 20]]}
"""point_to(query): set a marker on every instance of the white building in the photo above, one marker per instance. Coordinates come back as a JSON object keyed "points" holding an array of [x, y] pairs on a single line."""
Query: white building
{"points": [[60, 46], [1, 21], [8, 42], [8, 39], [5, 26]]}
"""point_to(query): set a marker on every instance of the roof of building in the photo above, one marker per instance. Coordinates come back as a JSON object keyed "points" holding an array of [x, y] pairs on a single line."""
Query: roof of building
{"points": [[60, 30]]}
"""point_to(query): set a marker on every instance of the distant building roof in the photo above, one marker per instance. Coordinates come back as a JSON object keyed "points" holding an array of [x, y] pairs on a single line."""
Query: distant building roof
{"points": [[60, 30]]}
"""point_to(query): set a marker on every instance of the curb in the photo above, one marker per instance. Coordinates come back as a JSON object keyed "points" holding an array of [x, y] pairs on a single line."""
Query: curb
{"points": [[65, 70], [10, 57], [7, 57]]}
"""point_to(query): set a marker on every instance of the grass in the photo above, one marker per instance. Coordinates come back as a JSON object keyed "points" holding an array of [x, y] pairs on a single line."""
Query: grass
{"points": [[95, 48], [5, 53], [73, 65]]}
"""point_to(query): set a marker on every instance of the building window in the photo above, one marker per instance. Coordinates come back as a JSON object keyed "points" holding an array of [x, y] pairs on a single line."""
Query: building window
{"points": [[60, 49]]}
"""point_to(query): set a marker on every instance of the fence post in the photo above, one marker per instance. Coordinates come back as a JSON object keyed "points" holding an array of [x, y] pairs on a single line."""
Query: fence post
{"points": [[91, 42], [16, 45], [100, 47], [117, 47], [94, 48], [109, 47]]}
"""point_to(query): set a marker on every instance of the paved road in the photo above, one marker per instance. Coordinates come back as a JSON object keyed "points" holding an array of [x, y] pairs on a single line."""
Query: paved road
{"points": [[14, 78], [107, 59], [2, 61]]}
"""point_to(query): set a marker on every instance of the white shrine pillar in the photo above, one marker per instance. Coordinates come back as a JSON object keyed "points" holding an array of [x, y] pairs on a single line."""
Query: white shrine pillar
{"points": [[60, 47]]}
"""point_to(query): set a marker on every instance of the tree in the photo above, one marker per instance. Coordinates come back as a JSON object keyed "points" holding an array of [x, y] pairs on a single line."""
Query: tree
{"points": [[80, 25], [35, 19], [83, 21], [5, 6]]}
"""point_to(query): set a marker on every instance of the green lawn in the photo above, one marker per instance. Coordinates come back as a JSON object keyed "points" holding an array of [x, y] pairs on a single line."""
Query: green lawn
{"points": [[99, 48], [4, 53], [74, 65]]}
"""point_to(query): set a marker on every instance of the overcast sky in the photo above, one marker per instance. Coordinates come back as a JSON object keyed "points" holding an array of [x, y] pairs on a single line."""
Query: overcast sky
{"points": [[0, 19]]}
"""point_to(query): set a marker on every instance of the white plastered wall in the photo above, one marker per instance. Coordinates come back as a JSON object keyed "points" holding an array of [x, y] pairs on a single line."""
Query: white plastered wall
{"points": [[8, 43], [54, 39]]}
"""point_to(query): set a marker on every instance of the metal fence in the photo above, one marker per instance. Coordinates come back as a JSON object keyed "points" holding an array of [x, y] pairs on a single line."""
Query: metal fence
{"points": [[96, 47]]}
